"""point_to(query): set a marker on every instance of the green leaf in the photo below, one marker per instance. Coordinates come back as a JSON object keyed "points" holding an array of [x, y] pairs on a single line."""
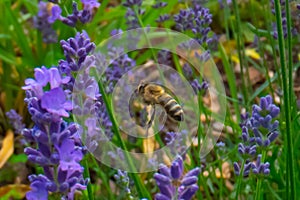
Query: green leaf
{"points": [[19, 158]]}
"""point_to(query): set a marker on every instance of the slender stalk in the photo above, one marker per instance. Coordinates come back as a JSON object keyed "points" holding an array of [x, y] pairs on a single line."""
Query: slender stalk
{"points": [[239, 181], [231, 81], [290, 58], [149, 43], [290, 153], [239, 46], [259, 181], [142, 191], [87, 175], [290, 72], [102, 175]]}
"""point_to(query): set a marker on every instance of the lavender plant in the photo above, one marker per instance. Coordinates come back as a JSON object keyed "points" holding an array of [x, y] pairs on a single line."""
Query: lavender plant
{"points": [[173, 184], [15, 121], [51, 12], [196, 20], [258, 132], [58, 149], [284, 21], [123, 180]]}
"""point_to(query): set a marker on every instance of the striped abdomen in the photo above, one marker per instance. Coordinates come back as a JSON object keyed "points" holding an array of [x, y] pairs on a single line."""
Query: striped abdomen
{"points": [[172, 108]]}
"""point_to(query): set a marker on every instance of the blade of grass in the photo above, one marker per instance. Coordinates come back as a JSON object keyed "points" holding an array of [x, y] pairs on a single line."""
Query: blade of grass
{"points": [[239, 47], [289, 143], [231, 80], [19, 36], [86, 174], [142, 191]]}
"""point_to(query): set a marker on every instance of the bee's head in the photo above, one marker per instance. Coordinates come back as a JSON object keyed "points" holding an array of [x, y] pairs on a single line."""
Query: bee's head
{"points": [[141, 87]]}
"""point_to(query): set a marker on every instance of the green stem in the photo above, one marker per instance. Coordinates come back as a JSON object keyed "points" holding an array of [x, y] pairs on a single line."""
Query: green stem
{"points": [[239, 46], [86, 174], [286, 95], [289, 45], [142, 191], [239, 182], [101, 174], [149, 43], [259, 181]]}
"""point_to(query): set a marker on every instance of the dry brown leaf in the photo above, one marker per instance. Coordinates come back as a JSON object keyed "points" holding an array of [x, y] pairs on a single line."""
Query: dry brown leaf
{"points": [[21, 189], [229, 185], [7, 147], [255, 76]]}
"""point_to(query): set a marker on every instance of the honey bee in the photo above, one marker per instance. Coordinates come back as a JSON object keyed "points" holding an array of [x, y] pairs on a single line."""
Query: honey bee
{"points": [[152, 94]]}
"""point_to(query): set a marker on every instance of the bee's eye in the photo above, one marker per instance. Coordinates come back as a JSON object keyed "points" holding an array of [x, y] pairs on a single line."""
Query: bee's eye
{"points": [[141, 89]]}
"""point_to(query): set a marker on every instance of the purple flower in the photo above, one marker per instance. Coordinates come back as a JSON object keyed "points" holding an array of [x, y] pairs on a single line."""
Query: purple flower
{"points": [[120, 64], [38, 191], [130, 16], [76, 50], [163, 18], [165, 57], [122, 180], [222, 2], [15, 120], [54, 101], [258, 131], [69, 156], [90, 4], [260, 168], [84, 16], [79, 55], [160, 4], [36, 85], [43, 76], [263, 123], [199, 87], [55, 14], [177, 141], [131, 3], [167, 179], [58, 147], [283, 22], [246, 171], [196, 20], [44, 20]]}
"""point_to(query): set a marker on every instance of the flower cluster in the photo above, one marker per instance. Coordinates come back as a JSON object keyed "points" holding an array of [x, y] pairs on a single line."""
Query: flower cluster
{"points": [[196, 85], [84, 16], [80, 59], [123, 180], [44, 20], [133, 8], [15, 120], [283, 22], [177, 141], [173, 184], [120, 63], [51, 12], [58, 149], [197, 20], [258, 131]]}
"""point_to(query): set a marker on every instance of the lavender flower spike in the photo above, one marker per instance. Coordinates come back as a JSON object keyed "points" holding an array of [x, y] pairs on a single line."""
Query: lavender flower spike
{"points": [[15, 120], [167, 178], [58, 149]]}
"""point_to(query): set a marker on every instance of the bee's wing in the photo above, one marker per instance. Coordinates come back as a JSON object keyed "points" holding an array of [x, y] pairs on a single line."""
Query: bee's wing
{"points": [[133, 97]]}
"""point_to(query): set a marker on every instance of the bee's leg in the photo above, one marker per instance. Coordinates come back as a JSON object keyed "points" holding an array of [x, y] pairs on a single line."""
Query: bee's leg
{"points": [[151, 120], [149, 126]]}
